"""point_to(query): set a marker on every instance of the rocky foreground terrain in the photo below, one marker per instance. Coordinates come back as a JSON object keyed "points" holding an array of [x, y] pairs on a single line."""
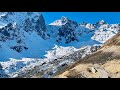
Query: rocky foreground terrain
{"points": [[105, 63]]}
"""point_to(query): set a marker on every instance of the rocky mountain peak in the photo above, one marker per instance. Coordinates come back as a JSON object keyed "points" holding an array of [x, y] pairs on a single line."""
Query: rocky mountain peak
{"points": [[101, 22], [64, 19]]}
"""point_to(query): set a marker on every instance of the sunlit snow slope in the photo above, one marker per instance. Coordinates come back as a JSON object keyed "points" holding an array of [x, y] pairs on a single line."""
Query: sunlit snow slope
{"points": [[25, 38], [25, 34]]}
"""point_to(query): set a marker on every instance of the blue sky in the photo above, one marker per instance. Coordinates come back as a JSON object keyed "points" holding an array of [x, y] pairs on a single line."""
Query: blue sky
{"points": [[90, 17]]}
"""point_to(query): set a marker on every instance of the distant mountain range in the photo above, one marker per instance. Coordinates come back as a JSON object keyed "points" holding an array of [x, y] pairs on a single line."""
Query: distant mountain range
{"points": [[26, 35]]}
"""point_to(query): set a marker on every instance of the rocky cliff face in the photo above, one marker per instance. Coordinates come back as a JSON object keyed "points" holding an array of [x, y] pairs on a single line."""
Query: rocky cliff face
{"points": [[15, 24], [67, 31], [18, 28]]}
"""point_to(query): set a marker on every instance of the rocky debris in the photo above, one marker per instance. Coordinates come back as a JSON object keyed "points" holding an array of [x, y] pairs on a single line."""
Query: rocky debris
{"points": [[92, 69], [87, 71], [94, 48], [99, 70]]}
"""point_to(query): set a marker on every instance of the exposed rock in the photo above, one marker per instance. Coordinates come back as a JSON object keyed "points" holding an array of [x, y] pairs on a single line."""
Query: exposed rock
{"points": [[103, 72], [92, 69], [2, 73]]}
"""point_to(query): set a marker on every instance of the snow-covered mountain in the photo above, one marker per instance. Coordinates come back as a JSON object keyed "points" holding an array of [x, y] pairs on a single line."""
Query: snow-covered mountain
{"points": [[68, 32], [21, 35], [25, 39]]}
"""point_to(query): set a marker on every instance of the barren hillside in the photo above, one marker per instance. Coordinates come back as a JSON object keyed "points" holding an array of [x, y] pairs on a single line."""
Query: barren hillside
{"points": [[105, 63]]}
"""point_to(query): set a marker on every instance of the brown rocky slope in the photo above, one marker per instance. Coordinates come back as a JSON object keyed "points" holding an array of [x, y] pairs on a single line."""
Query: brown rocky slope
{"points": [[105, 63]]}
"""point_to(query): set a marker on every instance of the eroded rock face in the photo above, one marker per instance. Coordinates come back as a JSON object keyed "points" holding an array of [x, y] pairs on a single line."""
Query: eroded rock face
{"points": [[15, 27], [94, 48], [67, 31]]}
